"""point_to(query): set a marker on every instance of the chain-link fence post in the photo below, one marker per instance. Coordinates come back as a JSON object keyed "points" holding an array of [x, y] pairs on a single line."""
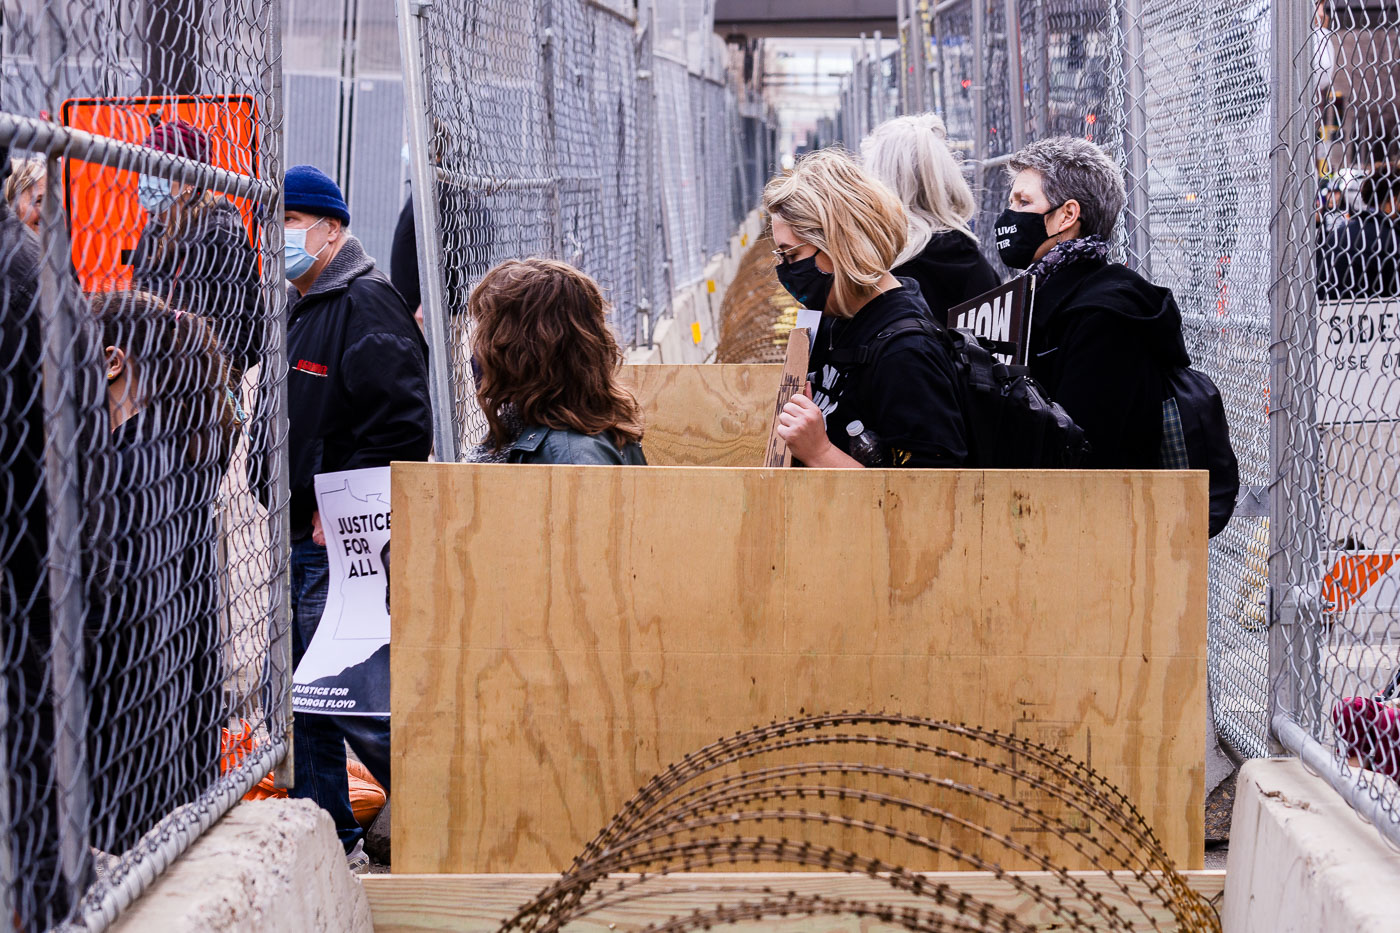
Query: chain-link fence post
{"points": [[980, 51], [645, 130], [428, 227], [61, 393], [1295, 519], [1136, 212], [1016, 81], [273, 378], [549, 76]]}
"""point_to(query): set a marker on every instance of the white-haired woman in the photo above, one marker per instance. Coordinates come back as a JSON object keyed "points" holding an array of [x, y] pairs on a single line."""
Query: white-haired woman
{"points": [[881, 383], [911, 156]]}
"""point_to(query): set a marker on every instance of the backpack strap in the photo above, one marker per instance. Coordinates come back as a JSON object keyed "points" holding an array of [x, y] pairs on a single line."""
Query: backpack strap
{"points": [[868, 353]]}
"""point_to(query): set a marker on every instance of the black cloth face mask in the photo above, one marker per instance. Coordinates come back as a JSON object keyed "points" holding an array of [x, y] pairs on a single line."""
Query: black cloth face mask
{"points": [[805, 282], [1019, 234]]}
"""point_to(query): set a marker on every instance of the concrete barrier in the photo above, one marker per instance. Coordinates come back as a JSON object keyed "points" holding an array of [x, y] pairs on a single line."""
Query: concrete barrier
{"points": [[274, 866], [1301, 860]]}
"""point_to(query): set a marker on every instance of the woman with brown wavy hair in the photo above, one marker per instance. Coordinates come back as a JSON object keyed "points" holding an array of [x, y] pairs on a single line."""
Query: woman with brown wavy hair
{"points": [[546, 368], [154, 598]]}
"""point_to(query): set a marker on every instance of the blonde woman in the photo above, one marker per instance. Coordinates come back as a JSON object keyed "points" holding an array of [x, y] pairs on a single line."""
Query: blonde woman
{"points": [[25, 189], [911, 156], [882, 389]]}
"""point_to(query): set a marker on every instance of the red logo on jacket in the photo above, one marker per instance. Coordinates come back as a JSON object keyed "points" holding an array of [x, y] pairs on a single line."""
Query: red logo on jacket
{"points": [[315, 369]]}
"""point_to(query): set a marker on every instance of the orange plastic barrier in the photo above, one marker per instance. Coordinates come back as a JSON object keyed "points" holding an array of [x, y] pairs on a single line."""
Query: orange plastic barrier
{"points": [[104, 216]]}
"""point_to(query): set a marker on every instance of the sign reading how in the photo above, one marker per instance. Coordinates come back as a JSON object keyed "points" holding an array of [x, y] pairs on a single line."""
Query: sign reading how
{"points": [[1000, 319], [345, 670]]}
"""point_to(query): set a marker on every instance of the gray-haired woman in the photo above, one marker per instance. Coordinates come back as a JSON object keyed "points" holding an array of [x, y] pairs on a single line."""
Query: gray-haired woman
{"points": [[1103, 338]]}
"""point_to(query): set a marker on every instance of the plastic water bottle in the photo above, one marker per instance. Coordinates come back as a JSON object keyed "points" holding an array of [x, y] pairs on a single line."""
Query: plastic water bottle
{"points": [[865, 446]]}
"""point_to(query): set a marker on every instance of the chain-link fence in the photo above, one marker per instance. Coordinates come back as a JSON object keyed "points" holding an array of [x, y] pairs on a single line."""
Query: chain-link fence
{"points": [[618, 136], [1336, 400], [1259, 144], [142, 441]]}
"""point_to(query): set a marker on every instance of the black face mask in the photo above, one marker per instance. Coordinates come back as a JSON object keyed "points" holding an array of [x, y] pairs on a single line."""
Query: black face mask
{"points": [[1019, 234], [805, 282]]}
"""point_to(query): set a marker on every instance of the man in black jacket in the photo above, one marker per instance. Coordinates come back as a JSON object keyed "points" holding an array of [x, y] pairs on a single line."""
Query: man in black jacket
{"points": [[1361, 259], [1103, 338], [357, 397]]}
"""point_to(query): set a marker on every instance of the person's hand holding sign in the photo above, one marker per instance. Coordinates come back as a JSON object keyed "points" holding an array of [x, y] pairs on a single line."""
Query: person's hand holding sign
{"points": [[803, 428], [318, 535]]}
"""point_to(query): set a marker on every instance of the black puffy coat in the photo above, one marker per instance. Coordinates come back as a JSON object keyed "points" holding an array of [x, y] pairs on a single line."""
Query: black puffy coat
{"points": [[357, 386], [206, 267], [154, 663], [1360, 259], [40, 896], [950, 270], [1103, 340]]}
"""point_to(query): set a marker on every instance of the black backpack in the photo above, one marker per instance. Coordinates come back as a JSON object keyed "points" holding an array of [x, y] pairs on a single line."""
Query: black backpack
{"points": [[1011, 422], [1196, 436]]}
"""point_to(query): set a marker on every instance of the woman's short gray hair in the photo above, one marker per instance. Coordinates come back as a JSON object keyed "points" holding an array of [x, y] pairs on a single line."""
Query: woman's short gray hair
{"points": [[1073, 169]]}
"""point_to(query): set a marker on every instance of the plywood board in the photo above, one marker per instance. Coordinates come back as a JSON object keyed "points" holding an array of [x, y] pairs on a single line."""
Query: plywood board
{"points": [[481, 903], [564, 633], [705, 415]]}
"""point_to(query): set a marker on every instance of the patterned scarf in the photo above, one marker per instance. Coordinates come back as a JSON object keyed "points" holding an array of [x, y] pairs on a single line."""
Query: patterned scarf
{"points": [[1067, 254]]}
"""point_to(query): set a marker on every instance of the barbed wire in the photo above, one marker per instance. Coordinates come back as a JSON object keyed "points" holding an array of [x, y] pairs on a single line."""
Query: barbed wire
{"points": [[851, 810]]}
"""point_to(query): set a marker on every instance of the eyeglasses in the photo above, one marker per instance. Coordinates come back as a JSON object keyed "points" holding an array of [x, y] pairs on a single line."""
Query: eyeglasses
{"points": [[780, 255]]}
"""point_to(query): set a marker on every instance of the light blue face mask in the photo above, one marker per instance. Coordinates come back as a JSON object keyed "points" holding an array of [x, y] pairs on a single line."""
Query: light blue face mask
{"points": [[154, 194], [294, 251]]}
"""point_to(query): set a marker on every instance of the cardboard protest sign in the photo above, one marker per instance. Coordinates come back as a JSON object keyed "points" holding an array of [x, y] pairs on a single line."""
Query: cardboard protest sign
{"points": [[1000, 318], [794, 377], [345, 670]]}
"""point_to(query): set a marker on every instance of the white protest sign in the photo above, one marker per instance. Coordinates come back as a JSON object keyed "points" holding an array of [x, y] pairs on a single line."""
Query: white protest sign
{"points": [[345, 670], [1358, 361]]}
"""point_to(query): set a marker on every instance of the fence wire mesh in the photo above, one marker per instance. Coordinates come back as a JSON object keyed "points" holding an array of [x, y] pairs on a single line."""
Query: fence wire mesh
{"points": [[142, 438], [614, 136], [1337, 399], [1259, 146]]}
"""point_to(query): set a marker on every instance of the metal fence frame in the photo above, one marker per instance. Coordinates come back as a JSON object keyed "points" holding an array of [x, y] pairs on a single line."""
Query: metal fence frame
{"points": [[1229, 225], [670, 164], [59, 69]]}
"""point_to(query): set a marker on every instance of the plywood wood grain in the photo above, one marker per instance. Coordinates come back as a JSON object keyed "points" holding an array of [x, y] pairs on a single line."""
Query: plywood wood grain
{"points": [[563, 633], [705, 415], [480, 903]]}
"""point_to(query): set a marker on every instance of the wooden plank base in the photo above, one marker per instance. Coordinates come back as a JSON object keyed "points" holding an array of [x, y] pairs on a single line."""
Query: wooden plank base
{"points": [[480, 903]]}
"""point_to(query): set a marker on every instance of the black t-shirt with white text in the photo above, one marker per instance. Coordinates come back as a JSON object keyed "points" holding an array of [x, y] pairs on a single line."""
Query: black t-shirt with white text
{"points": [[908, 397]]}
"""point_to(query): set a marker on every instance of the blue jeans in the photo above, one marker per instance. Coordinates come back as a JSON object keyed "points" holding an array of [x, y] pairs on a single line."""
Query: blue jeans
{"points": [[318, 741]]}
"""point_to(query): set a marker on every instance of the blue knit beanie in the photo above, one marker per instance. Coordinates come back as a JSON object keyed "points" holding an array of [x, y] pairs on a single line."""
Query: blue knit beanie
{"points": [[311, 191]]}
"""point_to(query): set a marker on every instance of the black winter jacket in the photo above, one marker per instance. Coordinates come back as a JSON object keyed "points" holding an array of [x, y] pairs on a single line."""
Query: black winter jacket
{"points": [[152, 627], [909, 397], [949, 270], [357, 386], [210, 270], [41, 895], [468, 254], [1103, 339], [1360, 259]]}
